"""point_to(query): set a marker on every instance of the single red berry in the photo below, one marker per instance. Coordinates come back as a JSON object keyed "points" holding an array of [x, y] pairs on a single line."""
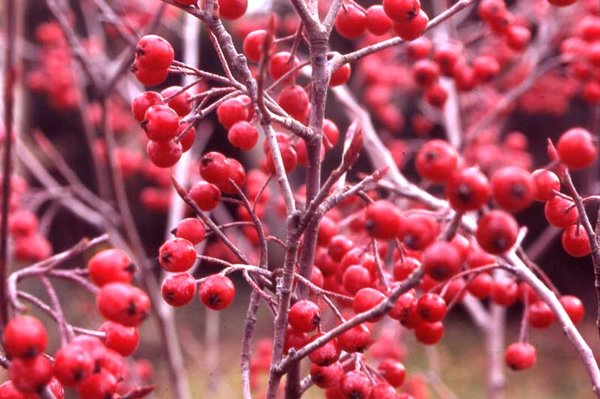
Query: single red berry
{"points": [[164, 154], [327, 354], [366, 299], [382, 220], [481, 286], [425, 72], [560, 212], [401, 10], [446, 56], [496, 232], [281, 63], [339, 246], [383, 390], [326, 376], [351, 21], [393, 371], [188, 139], [304, 316], [243, 135], [468, 189], [109, 266], [339, 77], [575, 241], [356, 339], [429, 333], [205, 195], [294, 339], [100, 385], [331, 134], [232, 9], [214, 168], [513, 188], [123, 303], [419, 49], [576, 148], [413, 28], [404, 267], [31, 374], [253, 44], [540, 315], [236, 176], [436, 160], [562, 3], [573, 306], [436, 95], [520, 355], [517, 37], [191, 229], [545, 183], [405, 307], [23, 223], [24, 336], [505, 292], [177, 255], [490, 10], [289, 157], [431, 307], [161, 123], [378, 22], [217, 292], [355, 278], [143, 101], [441, 260], [150, 77], [154, 53], [72, 363], [122, 339], [356, 385], [234, 110], [178, 289], [294, 100], [485, 68], [178, 100]]}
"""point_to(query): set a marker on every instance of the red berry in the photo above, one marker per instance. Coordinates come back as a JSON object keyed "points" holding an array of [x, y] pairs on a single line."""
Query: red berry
{"points": [[232, 9], [235, 174], [164, 154], [517, 37], [150, 77], [100, 385], [505, 292], [154, 53], [481, 286], [356, 339], [431, 307], [304, 316], [294, 100], [214, 168], [560, 212], [575, 241], [355, 278], [576, 148], [513, 188], [253, 44], [401, 10], [327, 376], [24, 336], [441, 260], [356, 385], [234, 110], [281, 63], [205, 195], [123, 303], [393, 371], [419, 49], [109, 266], [72, 363], [191, 229], [161, 123], [327, 354], [177, 255], [30, 375], [405, 267], [366, 299], [468, 190], [178, 289], [339, 77], [122, 339], [520, 355], [429, 333], [413, 28], [243, 135], [540, 315], [562, 3], [382, 220], [178, 100], [217, 292], [573, 306], [545, 183], [383, 390], [496, 232], [351, 21], [143, 101], [188, 139], [436, 160], [425, 72], [378, 22]]}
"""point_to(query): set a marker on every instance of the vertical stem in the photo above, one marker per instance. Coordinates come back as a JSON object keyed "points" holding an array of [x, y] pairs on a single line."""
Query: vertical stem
{"points": [[9, 82], [494, 346]]}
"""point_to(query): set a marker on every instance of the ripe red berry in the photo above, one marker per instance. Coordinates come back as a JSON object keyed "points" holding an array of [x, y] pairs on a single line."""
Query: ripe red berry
{"points": [[540, 315], [161, 123], [243, 135], [356, 339], [191, 229], [378, 22], [339, 246], [143, 101], [560, 212], [188, 139], [31, 374], [214, 168], [573, 306], [122, 339], [576, 148], [419, 49], [441, 260], [481, 286], [575, 241], [436, 160], [351, 21], [382, 220], [294, 100], [164, 154], [545, 183], [109, 266], [234, 110], [339, 77], [236, 176], [496, 232], [429, 333], [401, 10], [405, 308], [366, 299], [356, 385], [281, 63], [72, 363], [154, 53], [425, 72], [178, 100], [393, 371], [517, 37], [217, 292], [123, 303], [100, 385], [232, 9], [327, 354], [327, 376], [520, 355], [205, 195], [24, 336], [355, 278], [431, 307], [404, 267], [304, 316], [150, 77], [178, 289], [562, 3], [505, 292], [253, 44], [413, 28], [468, 189], [513, 188], [177, 255]]}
